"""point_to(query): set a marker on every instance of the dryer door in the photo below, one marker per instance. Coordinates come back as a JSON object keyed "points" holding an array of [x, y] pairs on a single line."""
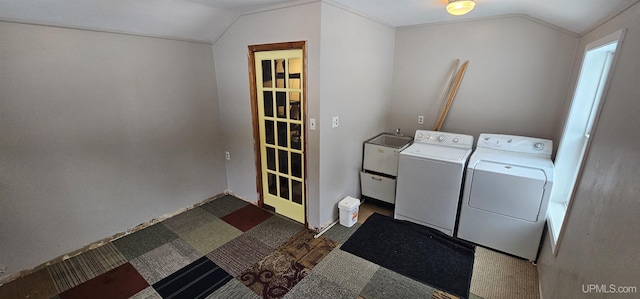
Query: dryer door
{"points": [[510, 190]]}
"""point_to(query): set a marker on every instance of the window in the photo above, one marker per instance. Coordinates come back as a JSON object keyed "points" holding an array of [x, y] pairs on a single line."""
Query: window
{"points": [[588, 97]]}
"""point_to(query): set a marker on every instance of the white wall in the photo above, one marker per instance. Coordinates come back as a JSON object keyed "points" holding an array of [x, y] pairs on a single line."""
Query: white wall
{"points": [[99, 132], [296, 23], [600, 243], [515, 83], [355, 84]]}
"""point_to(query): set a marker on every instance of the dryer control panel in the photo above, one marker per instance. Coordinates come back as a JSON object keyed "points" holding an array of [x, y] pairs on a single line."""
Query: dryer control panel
{"points": [[516, 144], [443, 138]]}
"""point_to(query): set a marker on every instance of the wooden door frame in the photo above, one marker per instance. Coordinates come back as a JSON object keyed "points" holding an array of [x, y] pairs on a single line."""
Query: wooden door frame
{"points": [[297, 45]]}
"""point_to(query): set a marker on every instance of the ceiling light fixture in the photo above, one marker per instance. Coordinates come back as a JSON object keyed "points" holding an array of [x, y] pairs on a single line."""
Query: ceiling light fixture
{"points": [[460, 7]]}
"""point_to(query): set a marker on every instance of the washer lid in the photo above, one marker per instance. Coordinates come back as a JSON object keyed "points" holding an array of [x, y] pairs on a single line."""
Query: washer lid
{"points": [[437, 152]]}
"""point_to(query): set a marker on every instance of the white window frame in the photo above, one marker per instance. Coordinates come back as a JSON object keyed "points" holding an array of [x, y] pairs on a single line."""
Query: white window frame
{"points": [[560, 204]]}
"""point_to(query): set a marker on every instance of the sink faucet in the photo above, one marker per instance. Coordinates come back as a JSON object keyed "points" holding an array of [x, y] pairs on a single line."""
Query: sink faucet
{"points": [[397, 132]]}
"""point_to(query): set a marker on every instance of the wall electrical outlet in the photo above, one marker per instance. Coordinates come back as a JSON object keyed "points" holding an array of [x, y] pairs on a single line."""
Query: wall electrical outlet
{"points": [[227, 155], [3, 269], [420, 119], [335, 122]]}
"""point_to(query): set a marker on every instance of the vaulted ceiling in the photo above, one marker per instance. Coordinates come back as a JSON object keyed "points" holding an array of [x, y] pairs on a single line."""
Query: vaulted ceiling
{"points": [[206, 20]]}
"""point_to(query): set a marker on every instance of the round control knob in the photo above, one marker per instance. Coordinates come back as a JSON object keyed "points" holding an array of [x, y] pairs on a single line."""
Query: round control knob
{"points": [[441, 138], [420, 135], [538, 145], [455, 140]]}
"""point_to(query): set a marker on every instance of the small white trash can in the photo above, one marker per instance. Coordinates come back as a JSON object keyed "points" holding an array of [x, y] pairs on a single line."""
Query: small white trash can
{"points": [[349, 211]]}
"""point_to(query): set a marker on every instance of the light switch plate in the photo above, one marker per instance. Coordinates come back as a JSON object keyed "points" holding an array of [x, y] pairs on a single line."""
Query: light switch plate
{"points": [[312, 123], [335, 122]]}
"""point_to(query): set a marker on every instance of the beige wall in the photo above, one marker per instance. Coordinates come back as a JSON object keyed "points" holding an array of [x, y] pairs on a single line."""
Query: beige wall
{"points": [[355, 85], [515, 83], [600, 242], [99, 132]]}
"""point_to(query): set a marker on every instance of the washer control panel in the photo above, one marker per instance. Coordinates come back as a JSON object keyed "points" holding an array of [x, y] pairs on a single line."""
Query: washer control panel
{"points": [[443, 138], [516, 144]]}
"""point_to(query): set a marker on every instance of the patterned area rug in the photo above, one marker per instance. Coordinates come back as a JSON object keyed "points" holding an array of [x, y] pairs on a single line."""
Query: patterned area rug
{"points": [[281, 270], [274, 275], [307, 250]]}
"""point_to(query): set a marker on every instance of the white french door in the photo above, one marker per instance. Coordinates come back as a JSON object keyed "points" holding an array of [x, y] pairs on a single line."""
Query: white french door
{"points": [[280, 99]]}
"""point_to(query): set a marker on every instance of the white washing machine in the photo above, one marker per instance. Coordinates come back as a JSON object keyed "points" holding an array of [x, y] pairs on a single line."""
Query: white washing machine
{"points": [[506, 193], [429, 184]]}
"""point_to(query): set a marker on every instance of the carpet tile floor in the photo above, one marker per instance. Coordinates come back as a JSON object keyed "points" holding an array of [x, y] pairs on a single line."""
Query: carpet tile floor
{"points": [[196, 280], [121, 282], [226, 248], [239, 254], [246, 217]]}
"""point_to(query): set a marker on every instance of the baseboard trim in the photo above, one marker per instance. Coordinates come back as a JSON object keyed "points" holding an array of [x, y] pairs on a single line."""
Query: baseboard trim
{"points": [[325, 229]]}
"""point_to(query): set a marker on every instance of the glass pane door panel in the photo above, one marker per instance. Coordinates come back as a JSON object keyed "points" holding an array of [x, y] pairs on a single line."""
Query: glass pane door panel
{"points": [[268, 103], [270, 136], [294, 97], [296, 165], [272, 184], [266, 74], [282, 134], [280, 75], [284, 187], [281, 102], [295, 68], [283, 161], [294, 82], [296, 191], [294, 106], [296, 136], [271, 158]]}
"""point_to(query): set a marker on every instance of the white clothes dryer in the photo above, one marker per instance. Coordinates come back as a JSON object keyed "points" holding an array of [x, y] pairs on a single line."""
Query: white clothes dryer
{"points": [[429, 182], [506, 193]]}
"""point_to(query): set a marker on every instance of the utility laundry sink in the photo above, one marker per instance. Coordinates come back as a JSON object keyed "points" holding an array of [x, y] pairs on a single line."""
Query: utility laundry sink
{"points": [[380, 166], [381, 153], [390, 140]]}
